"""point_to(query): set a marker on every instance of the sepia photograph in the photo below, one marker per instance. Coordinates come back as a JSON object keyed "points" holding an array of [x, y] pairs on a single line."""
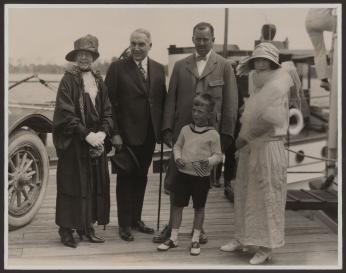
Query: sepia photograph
{"points": [[172, 136]]}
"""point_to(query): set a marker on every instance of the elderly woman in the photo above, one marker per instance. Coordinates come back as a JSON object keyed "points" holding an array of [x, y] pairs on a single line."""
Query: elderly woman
{"points": [[260, 188], [82, 124]]}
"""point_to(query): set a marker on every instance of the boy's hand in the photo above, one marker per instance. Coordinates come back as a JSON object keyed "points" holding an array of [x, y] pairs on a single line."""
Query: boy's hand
{"points": [[204, 164], [201, 167], [180, 163]]}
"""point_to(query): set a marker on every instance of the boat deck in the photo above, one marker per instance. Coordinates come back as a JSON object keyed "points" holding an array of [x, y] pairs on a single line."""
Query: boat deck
{"points": [[309, 243]]}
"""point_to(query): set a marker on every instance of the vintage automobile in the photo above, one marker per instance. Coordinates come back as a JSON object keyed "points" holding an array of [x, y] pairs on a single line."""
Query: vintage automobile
{"points": [[28, 161]]}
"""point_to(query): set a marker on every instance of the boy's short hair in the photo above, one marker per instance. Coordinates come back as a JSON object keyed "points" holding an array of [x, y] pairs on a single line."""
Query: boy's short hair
{"points": [[207, 98]]}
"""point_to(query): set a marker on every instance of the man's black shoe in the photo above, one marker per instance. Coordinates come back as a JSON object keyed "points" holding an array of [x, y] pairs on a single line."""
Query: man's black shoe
{"points": [[217, 184], [227, 183], [125, 234], [140, 226], [164, 235]]}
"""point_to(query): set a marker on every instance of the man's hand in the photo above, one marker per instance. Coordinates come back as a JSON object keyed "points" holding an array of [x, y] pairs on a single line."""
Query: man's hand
{"points": [[236, 155], [241, 109], [117, 142], [93, 140], [180, 163], [240, 143], [167, 138], [226, 142]]}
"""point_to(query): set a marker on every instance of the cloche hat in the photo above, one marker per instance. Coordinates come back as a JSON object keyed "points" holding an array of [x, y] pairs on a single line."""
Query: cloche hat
{"points": [[263, 50], [86, 43], [267, 51]]}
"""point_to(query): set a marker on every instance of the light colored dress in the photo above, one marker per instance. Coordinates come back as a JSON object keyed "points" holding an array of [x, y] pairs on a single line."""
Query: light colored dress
{"points": [[260, 187]]}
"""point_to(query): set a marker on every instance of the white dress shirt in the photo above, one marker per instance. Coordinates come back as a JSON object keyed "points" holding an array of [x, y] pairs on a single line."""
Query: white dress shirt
{"points": [[202, 63], [144, 63]]}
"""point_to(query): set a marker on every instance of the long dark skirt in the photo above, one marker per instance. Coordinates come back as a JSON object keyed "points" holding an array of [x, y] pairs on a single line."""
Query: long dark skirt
{"points": [[83, 210]]}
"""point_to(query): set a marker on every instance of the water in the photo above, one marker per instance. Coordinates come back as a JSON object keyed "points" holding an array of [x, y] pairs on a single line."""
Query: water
{"points": [[34, 92]]}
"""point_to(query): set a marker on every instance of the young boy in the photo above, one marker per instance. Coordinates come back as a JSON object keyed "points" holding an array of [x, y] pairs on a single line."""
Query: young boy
{"points": [[196, 151]]}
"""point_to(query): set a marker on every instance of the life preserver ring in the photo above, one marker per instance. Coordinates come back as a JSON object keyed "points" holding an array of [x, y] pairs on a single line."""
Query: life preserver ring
{"points": [[296, 121]]}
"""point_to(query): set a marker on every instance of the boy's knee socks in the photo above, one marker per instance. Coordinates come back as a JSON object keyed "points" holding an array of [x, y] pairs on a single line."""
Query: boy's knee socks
{"points": [[195, 236], [174, 234]]}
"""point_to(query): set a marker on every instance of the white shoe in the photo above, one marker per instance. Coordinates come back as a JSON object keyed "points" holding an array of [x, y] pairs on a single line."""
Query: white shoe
{"points": [[263, 254], [167, 245], [195, 249], [231, 246]]}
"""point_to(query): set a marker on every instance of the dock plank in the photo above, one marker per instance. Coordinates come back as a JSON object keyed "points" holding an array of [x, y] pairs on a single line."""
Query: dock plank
{"points": [[37, 245]]}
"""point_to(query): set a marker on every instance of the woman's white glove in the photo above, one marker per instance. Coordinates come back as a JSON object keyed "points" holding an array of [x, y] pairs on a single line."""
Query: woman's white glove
{"points": [[101, 135], [93, 139]]}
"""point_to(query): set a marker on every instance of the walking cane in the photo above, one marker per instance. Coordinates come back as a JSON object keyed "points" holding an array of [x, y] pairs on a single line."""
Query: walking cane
{"points": [[160, 186]]}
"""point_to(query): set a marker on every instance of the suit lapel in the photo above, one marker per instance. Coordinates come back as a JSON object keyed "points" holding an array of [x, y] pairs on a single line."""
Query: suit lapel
{"points": [[134, 74], [152, 71], [192, 66], [210, 65]]}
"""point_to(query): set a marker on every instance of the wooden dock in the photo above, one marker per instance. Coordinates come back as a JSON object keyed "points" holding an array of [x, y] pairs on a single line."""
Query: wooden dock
{"points": [[309, 243]]}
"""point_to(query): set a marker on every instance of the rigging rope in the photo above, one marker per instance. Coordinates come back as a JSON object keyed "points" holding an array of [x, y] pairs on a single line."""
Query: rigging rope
{"points": [[24, 80], [46, 84], [42, 81], [313, 157]]}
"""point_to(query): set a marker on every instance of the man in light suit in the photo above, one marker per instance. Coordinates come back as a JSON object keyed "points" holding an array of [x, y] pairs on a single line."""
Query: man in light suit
{"points": [[136, 87], [205, 71]]}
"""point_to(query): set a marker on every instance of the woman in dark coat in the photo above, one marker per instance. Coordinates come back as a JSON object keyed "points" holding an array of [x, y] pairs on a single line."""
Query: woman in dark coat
{"points": [[82, 124]]}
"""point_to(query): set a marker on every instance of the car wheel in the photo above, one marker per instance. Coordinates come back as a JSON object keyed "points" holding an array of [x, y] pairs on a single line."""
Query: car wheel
{"points": [[28, 168]]}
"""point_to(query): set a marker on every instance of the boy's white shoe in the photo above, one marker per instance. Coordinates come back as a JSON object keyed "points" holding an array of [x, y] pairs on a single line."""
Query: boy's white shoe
{"points": [[195, 249], [263, 254], [167, 245], [231, 246]]}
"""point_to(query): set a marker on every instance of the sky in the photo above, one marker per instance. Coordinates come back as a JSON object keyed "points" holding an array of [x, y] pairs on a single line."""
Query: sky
{"points": [[42, 34]]}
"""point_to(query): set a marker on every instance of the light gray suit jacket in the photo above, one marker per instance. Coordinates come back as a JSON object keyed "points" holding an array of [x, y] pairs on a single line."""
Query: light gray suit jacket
{"points": [[217, 79]]}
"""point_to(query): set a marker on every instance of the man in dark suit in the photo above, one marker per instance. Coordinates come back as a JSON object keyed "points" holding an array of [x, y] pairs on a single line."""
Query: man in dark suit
{"points": [[202, 72], [136, 87]]}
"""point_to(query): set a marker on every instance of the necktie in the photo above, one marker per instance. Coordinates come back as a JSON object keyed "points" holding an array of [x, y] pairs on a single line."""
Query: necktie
{"points": [[141, 69], [201, 58]]}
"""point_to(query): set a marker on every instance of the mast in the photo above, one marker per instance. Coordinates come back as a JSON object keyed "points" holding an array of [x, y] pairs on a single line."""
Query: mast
{"points": [[226, 34], [333, 111]]}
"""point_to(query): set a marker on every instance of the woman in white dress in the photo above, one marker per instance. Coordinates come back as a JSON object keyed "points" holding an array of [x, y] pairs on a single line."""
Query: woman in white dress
{"points": [[260, 188]]}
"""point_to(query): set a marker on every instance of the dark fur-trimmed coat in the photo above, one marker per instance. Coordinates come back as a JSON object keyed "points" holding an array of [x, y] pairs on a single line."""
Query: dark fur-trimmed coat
{"points": [[74, 164]]}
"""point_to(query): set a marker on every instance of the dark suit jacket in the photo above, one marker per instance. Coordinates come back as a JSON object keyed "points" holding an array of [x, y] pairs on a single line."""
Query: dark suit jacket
{"points": [[217, 79], [135, 103]]}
